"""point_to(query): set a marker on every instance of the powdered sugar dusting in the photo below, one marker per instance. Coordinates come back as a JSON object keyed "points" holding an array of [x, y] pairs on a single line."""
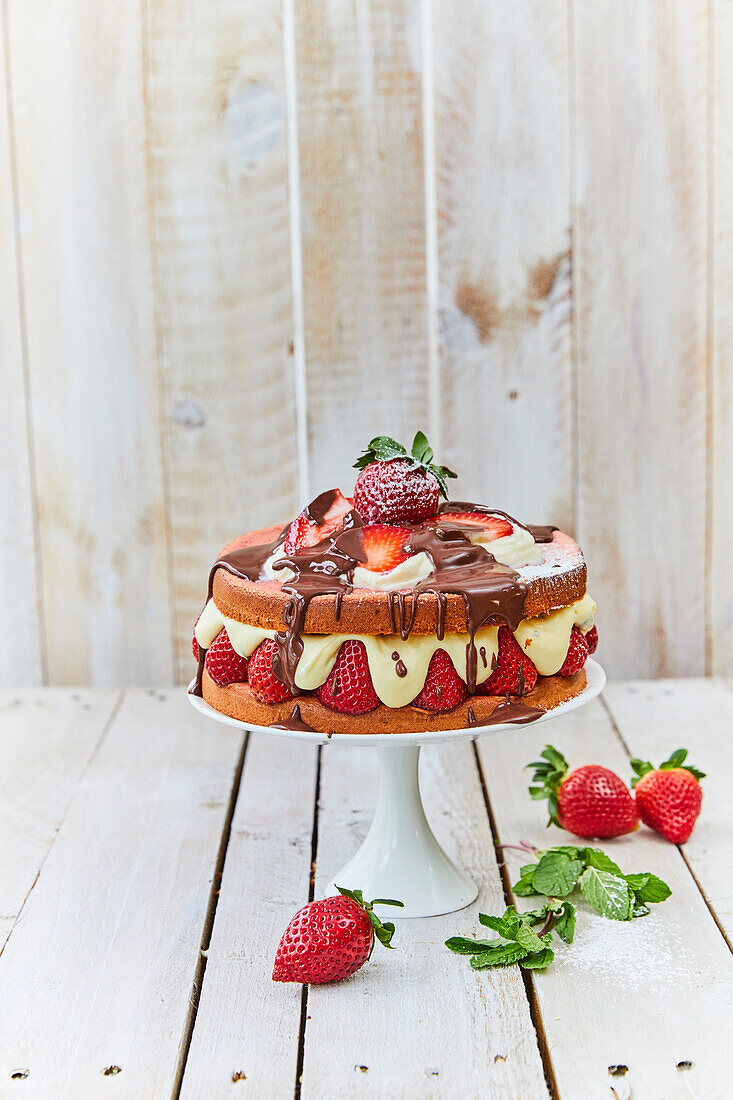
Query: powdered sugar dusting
{"points": [[559, 556]]}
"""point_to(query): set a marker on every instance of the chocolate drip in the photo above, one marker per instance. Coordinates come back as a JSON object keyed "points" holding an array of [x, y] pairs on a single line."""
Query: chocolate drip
{"points": [[492, 593], [471, 717], [514, 711], [400, 666], [294, 722]]}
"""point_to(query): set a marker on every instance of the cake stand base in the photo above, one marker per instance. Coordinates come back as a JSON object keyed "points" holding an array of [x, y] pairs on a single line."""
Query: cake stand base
{"points": [[400, 857]]}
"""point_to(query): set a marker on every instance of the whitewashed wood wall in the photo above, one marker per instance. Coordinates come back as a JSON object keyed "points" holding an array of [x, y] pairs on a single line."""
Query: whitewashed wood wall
{"points": [[238, 238]]}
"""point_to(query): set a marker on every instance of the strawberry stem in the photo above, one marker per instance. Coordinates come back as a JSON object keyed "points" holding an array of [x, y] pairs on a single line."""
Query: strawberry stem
{"points": [[382, 930]]}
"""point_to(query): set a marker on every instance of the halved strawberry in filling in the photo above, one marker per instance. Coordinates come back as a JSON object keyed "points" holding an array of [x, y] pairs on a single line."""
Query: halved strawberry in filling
{"points": [[306, 531], [495, 527], [383, 547]]}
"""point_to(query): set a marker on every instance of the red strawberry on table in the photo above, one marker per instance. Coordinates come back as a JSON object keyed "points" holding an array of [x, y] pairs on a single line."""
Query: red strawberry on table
{"points": [[576, 655], [397, 487], [514, 673], [314, 523], [668, 797], [223, 665], [262, 679], [349, 688], [331, 939], [443, 688], [493, 527], [383, 547], [591, 801]]}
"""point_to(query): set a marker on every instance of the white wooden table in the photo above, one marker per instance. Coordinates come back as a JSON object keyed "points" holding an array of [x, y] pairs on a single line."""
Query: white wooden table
{"points": [[151, 860]]}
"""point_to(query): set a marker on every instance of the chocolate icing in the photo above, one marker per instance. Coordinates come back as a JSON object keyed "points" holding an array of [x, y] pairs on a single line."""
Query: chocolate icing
{"points": [[493, 593], [293, 722], [514, 711]]}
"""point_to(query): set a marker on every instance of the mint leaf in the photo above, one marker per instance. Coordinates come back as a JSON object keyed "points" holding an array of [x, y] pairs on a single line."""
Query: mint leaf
{"points": [[504, 954], [556, 874], [565, 925], [648, 888], [609, 895], [524, 888], [639, 909], [594, 857], [461, 945], [537, 960], [527, 938]]}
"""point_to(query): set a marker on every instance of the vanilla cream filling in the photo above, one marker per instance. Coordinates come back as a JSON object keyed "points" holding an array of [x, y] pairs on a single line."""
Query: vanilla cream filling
{"points": [[544, 639]]}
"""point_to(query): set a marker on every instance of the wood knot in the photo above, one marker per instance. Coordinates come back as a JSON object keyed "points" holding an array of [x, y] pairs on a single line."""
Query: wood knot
{"points": [[111, 1071], [239, 1076], [618, 1071]]}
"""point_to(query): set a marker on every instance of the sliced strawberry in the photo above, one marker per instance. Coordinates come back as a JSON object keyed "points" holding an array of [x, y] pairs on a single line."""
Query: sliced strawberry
{"points": [[262, 679], [349, 688], [311, 526], [383, 547], [496, 527], [443, 688], [591, 637], [576, 655], [223, 664], [514, 673]]}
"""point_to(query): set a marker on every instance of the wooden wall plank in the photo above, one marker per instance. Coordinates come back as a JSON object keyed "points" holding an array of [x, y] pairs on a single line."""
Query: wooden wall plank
{"points": [[641, 185], [247, 1028], [489, 1047], [218, 152], [646, 995], [657, 717], [503, 195], [48, 739], [21, 663], [98, 972], [77, 106], [720, 454], [363, 214]]}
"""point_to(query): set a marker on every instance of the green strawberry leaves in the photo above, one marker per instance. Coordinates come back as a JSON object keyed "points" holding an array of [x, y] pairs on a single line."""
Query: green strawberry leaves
{"points": [[385, 449], [549, 772], [383, 930], [676, 760], [558, 871]]}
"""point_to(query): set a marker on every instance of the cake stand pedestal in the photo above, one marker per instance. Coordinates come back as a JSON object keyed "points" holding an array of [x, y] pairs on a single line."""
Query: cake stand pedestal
{"points": [[401, 857]]}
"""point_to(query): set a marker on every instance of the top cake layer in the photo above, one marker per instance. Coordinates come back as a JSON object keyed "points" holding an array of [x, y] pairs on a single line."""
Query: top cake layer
{"points": [[555, 579]]}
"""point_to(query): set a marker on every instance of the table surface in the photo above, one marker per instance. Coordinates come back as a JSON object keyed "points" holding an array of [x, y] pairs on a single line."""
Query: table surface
{"points": [[151, 860]]}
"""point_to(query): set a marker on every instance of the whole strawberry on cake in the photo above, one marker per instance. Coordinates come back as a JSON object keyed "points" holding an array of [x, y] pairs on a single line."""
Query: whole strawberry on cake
{"points": [[396, 610]]}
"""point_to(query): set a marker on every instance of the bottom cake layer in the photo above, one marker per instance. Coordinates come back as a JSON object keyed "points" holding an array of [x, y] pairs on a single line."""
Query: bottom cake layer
{"points": [[238, 701]]}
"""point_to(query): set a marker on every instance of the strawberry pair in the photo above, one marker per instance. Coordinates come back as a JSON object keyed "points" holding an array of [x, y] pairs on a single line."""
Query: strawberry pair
{"points": [[593, 801]]}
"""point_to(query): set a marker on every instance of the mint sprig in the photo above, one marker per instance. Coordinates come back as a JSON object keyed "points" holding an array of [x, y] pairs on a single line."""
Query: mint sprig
{"points": [[557, 872], [383, 931], [518, 940], [385, 449], [676, 760]]}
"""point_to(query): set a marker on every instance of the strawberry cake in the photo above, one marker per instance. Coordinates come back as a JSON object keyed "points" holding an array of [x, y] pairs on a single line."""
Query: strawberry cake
{"points": [[395, 611]]}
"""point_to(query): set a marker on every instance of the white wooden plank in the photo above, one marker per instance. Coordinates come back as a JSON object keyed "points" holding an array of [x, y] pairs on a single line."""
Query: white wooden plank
{"points": [[648, 994], [217, 117], [48, 739], [417, 1021], [656, 717], [503, 195], [363, 227], [21, 663], [640, 114], [247, 1028], [720, 521], [98, 971], [78, 111]]}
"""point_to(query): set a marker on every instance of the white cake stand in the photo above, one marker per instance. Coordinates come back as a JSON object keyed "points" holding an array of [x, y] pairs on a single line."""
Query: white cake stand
{"points": [[401, 857]]}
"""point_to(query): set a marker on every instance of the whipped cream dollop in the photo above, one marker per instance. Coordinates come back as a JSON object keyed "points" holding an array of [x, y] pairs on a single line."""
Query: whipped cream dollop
{"points": [[513, 550]]}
